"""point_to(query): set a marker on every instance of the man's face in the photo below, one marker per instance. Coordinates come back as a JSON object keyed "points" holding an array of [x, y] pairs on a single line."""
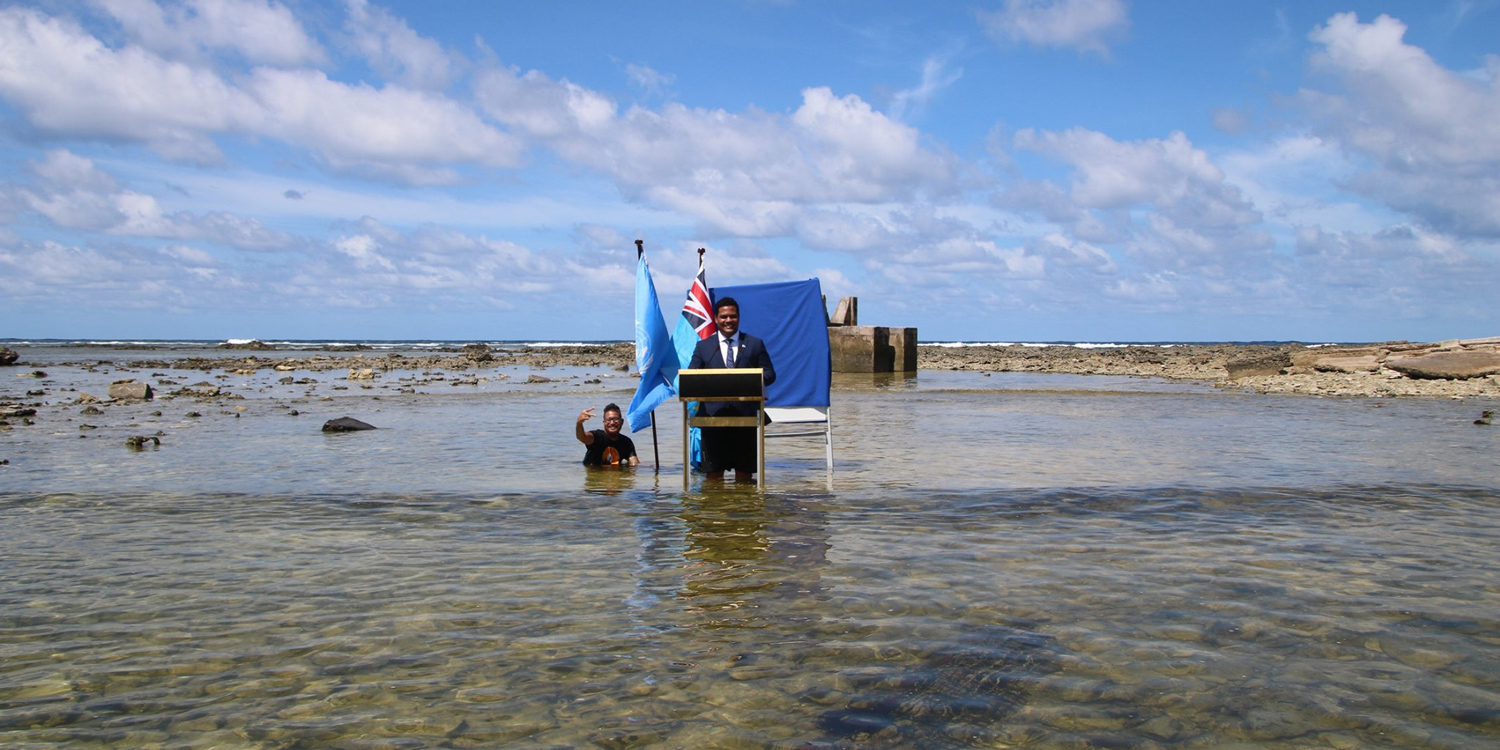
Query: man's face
{"points": [[612, 422], [728, 320]]}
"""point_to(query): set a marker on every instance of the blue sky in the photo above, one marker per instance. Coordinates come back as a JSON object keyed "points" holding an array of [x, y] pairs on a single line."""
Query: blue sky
{"points": [[1018, 170]]}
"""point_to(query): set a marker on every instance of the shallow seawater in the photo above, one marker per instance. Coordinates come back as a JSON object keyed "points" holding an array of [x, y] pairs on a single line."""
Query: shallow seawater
{"points": [[1003, 561]]}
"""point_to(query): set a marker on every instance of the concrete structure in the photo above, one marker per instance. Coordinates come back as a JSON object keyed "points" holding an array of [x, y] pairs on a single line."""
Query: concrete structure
{"points": [[873, 349], [857, 348]]}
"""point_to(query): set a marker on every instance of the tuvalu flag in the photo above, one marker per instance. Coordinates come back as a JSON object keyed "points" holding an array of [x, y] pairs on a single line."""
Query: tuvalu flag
{"points": [[695, 324], [697, 320], [655, 358]]}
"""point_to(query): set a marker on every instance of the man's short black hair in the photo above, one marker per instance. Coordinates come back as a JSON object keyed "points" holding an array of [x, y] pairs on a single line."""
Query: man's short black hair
{"points": [[612, 408], [725, 302]]}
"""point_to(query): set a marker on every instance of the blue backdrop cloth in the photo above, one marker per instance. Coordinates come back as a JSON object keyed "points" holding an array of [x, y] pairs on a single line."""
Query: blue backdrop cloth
{"points": [[789, 316]]}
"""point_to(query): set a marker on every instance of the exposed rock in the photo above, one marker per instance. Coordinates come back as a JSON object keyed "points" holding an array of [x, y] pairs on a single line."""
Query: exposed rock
{"points": [[1345, 363], [1310, 357], [1268, 363], [478, 352], [251, 344], [139, 442], [534, 378], [363, 374], [8, 356], [199, 390], [12, 410], [1447, 365], [84, 398], [346, 424], [129, 390]]}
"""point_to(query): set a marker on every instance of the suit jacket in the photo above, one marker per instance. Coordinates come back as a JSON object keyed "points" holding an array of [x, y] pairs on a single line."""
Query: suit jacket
{"points": [[752, 353]]}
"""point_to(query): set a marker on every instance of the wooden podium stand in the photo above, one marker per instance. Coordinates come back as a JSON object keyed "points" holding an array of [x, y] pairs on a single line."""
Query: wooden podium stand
{"points": [[736, 384]]}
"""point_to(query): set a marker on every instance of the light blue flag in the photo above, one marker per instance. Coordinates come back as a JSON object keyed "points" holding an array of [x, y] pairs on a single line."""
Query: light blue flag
{"points": [[655, 358], [694, 324]]}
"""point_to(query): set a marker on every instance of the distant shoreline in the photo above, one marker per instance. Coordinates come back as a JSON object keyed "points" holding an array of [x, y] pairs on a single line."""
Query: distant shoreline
{"points": [[1389, 369]]}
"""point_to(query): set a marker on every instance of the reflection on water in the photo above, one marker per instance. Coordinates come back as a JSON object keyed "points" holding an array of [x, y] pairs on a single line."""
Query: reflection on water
{"points": [[1355, 617]]}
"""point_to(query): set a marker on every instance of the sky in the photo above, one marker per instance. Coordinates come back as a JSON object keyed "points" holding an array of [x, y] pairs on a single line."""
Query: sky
{"points": [[988, 170]]}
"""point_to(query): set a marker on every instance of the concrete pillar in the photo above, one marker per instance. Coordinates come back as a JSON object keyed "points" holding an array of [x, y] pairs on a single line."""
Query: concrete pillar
{"points": [[873, 349]]}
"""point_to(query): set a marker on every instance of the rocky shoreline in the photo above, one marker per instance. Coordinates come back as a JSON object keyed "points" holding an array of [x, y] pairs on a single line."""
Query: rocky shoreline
{"points": [[1453, 369]]}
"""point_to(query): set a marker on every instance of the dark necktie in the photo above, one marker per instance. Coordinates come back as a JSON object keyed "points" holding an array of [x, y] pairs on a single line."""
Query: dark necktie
{"points": [[729, 358]]}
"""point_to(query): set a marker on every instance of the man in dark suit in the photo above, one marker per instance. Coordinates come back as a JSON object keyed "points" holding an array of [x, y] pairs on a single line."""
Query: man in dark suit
{"points": [[730, 447]]}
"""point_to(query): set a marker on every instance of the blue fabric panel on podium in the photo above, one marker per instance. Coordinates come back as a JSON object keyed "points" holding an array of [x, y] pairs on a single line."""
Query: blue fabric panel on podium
{"points": [[789, 316]]}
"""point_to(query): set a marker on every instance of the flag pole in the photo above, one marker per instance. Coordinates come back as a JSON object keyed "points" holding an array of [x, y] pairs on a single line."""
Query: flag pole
{"points": [[640, 249]]}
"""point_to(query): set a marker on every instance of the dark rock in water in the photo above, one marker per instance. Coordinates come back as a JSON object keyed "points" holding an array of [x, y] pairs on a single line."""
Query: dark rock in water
{"points": [[346, 424], [1268, 363], [1452, 365], [478, 352], [8, 356], [980, 680], [534, 378], [129, 390]]}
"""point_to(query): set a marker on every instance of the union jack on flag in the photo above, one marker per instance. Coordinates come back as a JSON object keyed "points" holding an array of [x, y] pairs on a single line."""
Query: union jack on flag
{"points": [[696, 310]]}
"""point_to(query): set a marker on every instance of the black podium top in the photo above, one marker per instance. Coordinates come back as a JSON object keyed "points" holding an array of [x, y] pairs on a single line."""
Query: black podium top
{"points": [[734, 384]]}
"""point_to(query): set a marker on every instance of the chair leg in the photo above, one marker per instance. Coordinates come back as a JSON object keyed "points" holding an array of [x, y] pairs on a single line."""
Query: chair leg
{"points": [[828, 439]]}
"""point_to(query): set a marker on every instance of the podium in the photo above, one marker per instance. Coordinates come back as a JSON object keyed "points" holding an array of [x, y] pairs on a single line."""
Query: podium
{"points": [[734, 384]]}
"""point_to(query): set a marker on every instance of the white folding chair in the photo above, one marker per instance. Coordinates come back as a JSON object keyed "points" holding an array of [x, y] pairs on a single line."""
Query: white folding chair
{"points": [[803, 421]]}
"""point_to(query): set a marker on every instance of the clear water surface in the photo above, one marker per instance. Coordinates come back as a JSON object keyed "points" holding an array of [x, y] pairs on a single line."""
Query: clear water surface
{"points": [[997, 561]]}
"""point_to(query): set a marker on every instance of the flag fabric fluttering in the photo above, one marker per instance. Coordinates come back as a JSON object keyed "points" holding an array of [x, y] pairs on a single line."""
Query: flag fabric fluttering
{"points": [[655, 357], [695, 324]]}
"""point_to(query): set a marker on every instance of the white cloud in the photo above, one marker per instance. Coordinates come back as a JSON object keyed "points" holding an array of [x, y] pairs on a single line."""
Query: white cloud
{"points": [[1063, 250], [397, 51], [259, 32], [651, 80], [1400, 269], [935, 78], [1432, 135], [1152, 290], [71, 192], [1165, 199], [746, 173], [67, 83], [390, 131], [191, 255], [1085, 25]]}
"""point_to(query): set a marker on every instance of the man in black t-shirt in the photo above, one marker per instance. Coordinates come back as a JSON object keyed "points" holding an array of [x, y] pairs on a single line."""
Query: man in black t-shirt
{"points": [[607, 447]]}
